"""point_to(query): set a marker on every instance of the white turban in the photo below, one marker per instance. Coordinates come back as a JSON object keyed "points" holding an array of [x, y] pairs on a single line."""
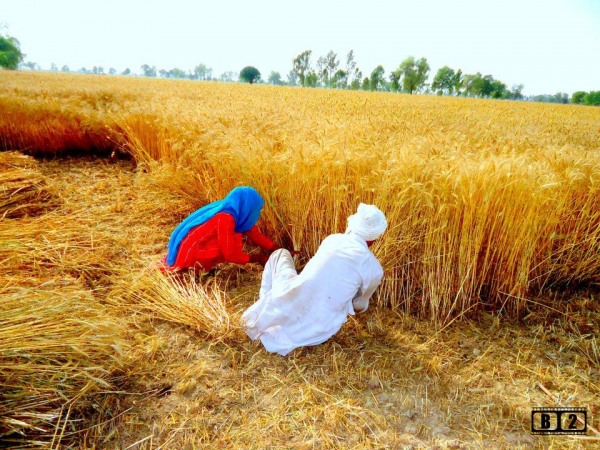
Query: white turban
{"points": [[368, 222]]}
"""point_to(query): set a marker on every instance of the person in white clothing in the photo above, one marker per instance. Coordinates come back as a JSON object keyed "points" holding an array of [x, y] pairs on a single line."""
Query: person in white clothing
{"points": [[295, 310]]}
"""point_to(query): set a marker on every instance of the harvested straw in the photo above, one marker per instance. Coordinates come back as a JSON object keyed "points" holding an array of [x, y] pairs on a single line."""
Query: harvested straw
{"points": [[179, 299], [51, 245], [57, 349], [23, 189]]}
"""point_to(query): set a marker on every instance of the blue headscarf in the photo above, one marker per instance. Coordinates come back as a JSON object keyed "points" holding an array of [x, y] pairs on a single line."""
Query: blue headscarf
{"points": [[243, 203]]}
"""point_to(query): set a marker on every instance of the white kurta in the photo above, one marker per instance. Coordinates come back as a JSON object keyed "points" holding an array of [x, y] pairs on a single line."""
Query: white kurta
{"points": [[295, 310]]}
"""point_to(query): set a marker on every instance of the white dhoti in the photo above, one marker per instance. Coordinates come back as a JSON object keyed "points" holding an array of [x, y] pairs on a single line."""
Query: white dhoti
{"points": [[279, 269], [295, 310]]}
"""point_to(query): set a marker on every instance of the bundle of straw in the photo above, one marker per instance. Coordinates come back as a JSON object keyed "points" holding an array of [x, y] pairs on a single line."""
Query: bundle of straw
{"points": [[51, 245], [23, 189], [57, 348], [179, 299]]}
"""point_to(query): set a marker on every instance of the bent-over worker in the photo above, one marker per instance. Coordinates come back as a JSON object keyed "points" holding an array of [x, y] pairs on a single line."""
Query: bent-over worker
{"points": [[213, 234], [295, 310]]}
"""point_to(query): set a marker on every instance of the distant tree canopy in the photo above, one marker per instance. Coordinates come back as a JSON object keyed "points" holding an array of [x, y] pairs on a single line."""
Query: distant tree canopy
{"points": [[413, 73], [250, 74], [228, 76], [447, 81], [10, 53], [301, 66], [559, 97], [201, 72], [311, 79], [486, 86], [352, 72], [329, 72], [148, 71], [517, 92], [275, 78], [366, 84], [177, 73], [292, 78], [586, 98], [31, 65], [327, 66], [578, 97], [592, 98], [377, 81]]}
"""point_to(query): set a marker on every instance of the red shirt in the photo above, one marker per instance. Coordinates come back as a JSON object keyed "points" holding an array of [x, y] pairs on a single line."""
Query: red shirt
{"points": [[216, 241]]}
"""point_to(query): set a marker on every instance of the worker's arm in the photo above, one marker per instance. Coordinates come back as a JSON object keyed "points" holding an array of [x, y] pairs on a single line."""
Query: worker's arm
{"points": [[361, 301], [260, 239]]}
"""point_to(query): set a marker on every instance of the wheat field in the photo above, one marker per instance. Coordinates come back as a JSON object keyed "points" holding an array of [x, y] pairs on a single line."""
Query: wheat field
{"points": [[487, 201], [492, 206]]}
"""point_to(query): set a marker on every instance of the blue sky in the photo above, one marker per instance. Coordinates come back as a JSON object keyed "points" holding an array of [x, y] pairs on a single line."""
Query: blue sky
{"points": [[547, 45]]}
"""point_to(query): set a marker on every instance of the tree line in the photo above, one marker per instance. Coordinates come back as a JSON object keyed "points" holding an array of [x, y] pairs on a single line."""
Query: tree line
{"points": [[332, 72]]}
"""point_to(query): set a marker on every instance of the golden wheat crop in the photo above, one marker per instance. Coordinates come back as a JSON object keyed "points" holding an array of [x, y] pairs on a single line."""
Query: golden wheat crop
{"points": [[487, 201]]}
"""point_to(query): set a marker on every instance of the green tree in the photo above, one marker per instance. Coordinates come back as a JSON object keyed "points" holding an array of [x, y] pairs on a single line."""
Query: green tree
{"points": [[340, 79], [458, 81], [355, 84], [275, 78], [10, 53], [478, 85], [228, 76], [250, 74], [592, 98], [32, 65], [562, 97], [353, 74], [148, 71], [377, 80], [395, 81], [487, 87], [65, 68], [201, 72], [301, 66], [516, 92], [469, 83], [292, 78], [126, 72], [177, 73], [444, 80], [366, 84], [322, 71], [559, 97], [331, 66], [311, 79], [498, 89], [578, 97], [414, 73]]}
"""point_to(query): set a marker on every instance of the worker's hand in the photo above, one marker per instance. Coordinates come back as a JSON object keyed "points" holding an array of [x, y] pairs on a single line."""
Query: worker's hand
{"points": [[259, 258]]}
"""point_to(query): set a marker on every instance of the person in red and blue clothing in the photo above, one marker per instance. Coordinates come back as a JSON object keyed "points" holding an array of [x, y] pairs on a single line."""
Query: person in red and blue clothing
{"points": [[213, 234]]}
